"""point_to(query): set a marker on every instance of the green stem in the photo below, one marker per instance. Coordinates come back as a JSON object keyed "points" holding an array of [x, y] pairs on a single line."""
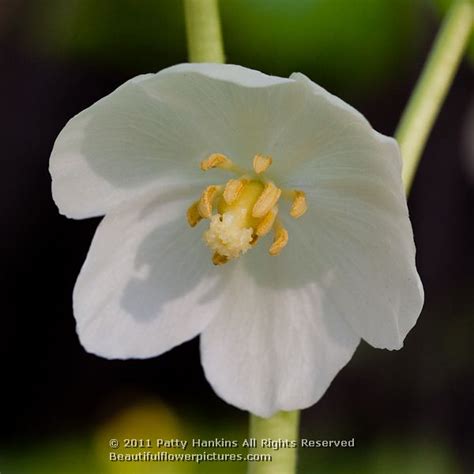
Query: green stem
{"points": [[433, 85], [203, 31], [284, 425]]}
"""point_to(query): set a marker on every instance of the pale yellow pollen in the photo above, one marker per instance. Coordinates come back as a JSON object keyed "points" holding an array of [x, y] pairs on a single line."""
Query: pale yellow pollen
{"points": [[218, 259], [280, 239], [267, 200], [233, 189], [266, 224], [206, 201], [193, 214], [216, 160], [261, 163], [299, 205], [227, 236]]}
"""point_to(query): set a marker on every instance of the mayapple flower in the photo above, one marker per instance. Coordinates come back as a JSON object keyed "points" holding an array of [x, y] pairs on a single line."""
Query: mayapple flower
{"points": [[263, 213]]}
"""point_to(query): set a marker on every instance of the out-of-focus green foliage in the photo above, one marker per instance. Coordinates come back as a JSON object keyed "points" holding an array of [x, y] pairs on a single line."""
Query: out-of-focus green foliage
{"points": [[351, 45], [69, 456], [144, 34], [346, 44], [415, 456], [408, 456], [152, 419], [77, 456]]}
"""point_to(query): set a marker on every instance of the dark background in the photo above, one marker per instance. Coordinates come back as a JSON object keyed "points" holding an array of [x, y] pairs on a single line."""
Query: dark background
{"points": [[410, 411]]}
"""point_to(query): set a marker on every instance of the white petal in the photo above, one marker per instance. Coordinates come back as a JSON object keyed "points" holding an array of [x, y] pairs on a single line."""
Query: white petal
{"points": [[240, 111], [358, 220], [147, 282], [358, 226], [229, 73], [320, 127], [368, 247], [121, 147], [154, 129], [278, 342]]}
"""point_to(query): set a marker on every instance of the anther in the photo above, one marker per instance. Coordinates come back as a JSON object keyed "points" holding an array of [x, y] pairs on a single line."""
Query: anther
{"points": [[232, 190], [216, 160], [193, 214], [261, 163], [280, 240], [266, 224], [267, 200], [218, 259], [299, 205], [207, 198]]}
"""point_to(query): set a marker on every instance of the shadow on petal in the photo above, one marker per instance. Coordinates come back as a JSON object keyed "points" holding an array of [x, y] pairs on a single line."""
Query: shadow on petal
{"points": [[174, 273], [130, 140]]}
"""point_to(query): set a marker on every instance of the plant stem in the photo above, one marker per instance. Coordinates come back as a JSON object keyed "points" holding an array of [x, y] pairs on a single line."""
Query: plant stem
{"points": [[284, 425], [203, 31], [433, 85]]}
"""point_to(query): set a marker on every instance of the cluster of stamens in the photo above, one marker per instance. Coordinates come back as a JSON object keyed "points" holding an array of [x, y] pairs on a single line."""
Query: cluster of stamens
{"points": [[243, 210]]}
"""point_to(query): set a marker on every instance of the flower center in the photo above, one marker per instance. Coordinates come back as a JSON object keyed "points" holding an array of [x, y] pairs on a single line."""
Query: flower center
{"points": [[243, 210]]}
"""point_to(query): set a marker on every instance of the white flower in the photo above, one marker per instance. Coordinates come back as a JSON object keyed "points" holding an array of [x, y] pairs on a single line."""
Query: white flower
{"points": [[275, 329]]}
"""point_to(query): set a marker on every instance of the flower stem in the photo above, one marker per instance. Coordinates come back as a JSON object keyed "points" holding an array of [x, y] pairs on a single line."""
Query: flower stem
{"points": [[433, 85], [203, 29], [284, 425]]}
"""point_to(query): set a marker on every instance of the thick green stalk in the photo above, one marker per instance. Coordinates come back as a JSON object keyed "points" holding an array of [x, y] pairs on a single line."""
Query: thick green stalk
{"points": [[283, 426], [203, 29], [433, 85]]}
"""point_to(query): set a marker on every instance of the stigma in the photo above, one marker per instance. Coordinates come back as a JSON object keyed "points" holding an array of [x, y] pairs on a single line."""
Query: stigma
{"points": [[243, 210]]}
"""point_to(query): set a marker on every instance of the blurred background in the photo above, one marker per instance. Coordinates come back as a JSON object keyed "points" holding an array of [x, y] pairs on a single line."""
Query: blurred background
{"points": [[409, 411]]}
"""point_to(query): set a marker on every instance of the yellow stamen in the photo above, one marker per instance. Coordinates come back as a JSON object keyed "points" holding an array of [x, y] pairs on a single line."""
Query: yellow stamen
{"points": [[193, 215], [218, 259], [207, 198], [280, 240], [244, 210], [267, 200], [266, 224], [261, 163], [216, 160], [232, 190], [299, 205]]}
